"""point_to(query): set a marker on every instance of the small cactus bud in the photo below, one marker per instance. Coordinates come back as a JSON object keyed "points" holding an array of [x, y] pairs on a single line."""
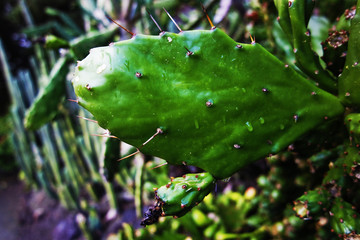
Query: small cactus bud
{"points": [[174, 202]]}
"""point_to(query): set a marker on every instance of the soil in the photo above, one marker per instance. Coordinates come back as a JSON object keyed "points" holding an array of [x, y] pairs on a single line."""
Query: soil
{"points": [[32, 215]]}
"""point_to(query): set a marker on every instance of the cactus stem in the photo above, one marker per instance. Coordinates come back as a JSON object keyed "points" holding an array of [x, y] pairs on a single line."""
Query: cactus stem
{"points": [[189, 53], [157, 25], [172, 20], [127, 30], [88, 119], [208, 18]]}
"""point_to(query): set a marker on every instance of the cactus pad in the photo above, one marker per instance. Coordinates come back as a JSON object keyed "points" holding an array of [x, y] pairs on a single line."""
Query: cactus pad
{"points": [[312, 204], [343, 218], [45, 106], [220, 104], [349, 82], [179, 196]]}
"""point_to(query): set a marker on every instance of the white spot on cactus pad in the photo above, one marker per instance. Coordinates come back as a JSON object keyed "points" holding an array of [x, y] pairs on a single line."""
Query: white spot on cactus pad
{"points": [[101, 68]]}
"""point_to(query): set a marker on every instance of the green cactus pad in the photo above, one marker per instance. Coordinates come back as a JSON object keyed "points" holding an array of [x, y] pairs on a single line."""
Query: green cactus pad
{"points": [[111, 154], [220, 104], [343, 218], [344, 22], [80, 46], [293, 18], [183, 193], [352, 122], [45, 106], [284, 18], [179, 196], [349, 82], [312, 204], [54, 42]]}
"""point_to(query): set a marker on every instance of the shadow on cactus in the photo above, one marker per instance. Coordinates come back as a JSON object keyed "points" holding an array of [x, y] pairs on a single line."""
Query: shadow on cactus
{"points": [[199, 98]]}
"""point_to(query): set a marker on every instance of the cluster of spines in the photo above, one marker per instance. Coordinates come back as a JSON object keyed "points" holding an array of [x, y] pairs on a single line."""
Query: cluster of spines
{"points": [[335, 47]]}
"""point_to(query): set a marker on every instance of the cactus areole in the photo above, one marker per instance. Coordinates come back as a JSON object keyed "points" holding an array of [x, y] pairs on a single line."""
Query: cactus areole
{"points": [[220, 104]]}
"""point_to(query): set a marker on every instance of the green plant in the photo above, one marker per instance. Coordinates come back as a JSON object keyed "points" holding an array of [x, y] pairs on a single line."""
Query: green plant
{"points": [[238, 114], [218, 104], [201, 98]]}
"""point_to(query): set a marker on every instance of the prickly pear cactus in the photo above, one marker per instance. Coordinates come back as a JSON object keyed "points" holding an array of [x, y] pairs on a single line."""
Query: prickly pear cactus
{"points": [[312, 204], [219, 104], [45, 106], [335, 47], [349, 82], [179, 196], [344, 218]]}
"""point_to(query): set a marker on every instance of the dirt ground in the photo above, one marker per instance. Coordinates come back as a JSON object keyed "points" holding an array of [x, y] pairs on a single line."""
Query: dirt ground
{"points": [[31, 215]]}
